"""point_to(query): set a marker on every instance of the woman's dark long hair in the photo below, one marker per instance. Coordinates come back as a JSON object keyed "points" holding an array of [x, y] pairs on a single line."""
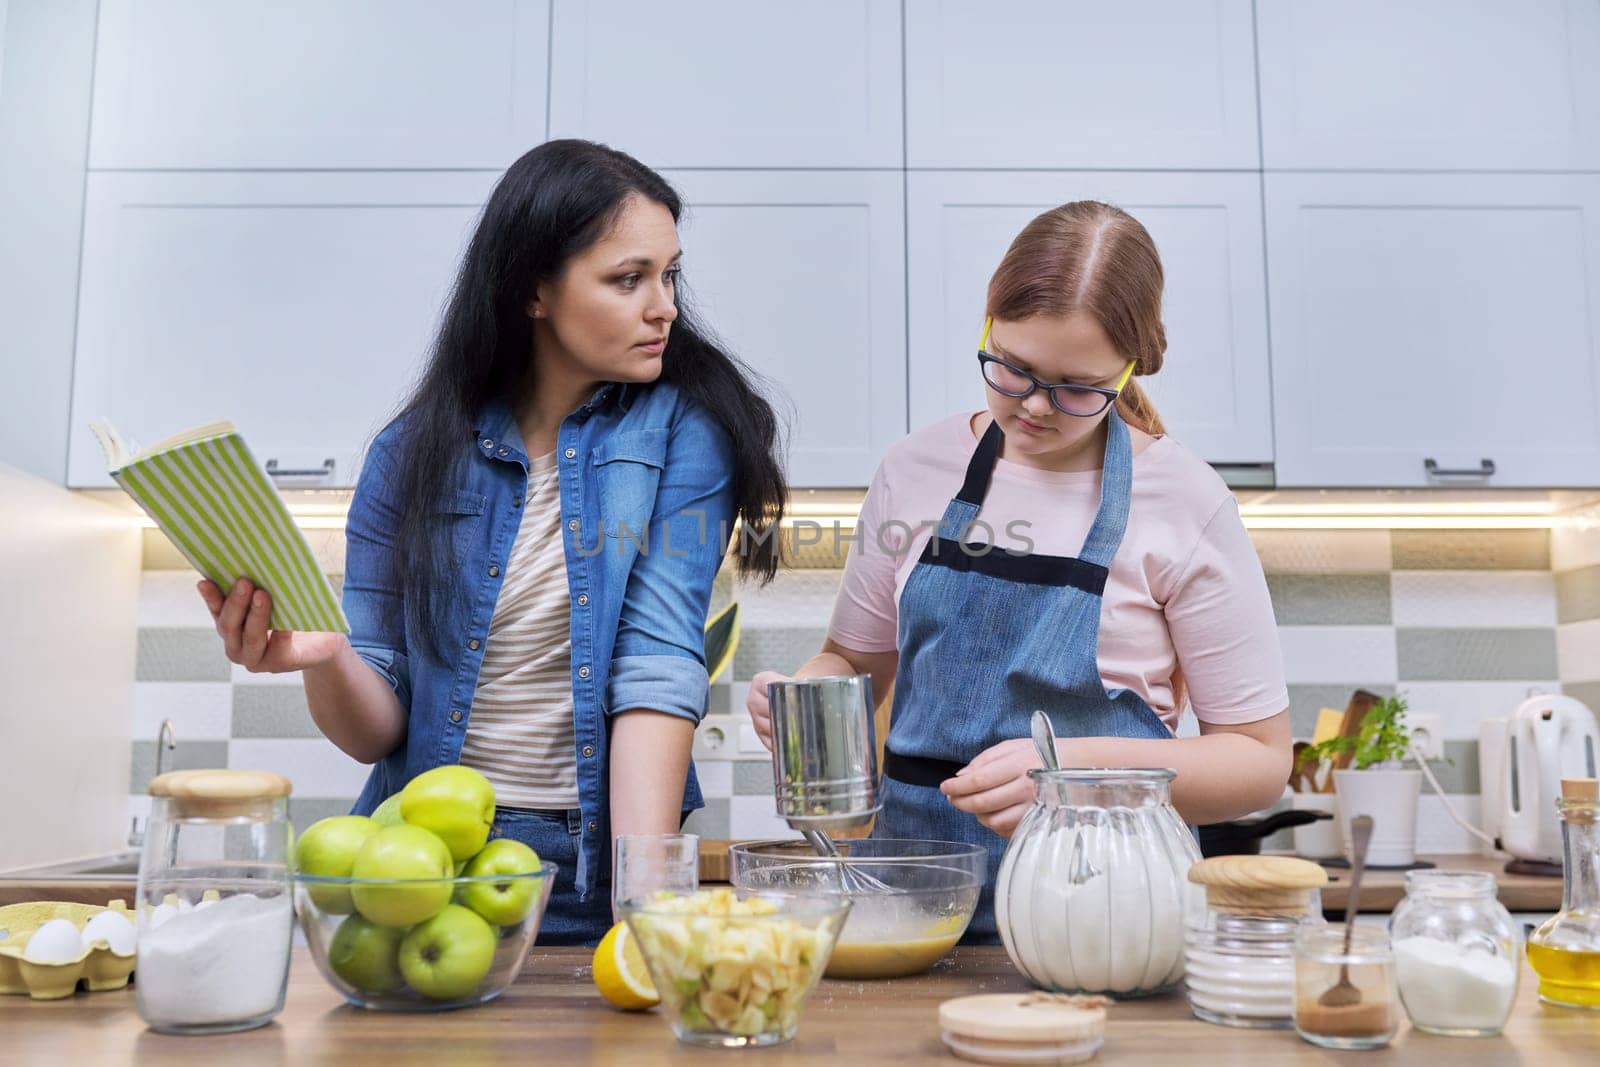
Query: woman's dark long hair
{"points": [[552, 204]]}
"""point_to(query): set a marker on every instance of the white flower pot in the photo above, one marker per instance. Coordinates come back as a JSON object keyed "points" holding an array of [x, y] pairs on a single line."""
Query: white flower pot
{"points": [[1318, 840], [1390, 797]]}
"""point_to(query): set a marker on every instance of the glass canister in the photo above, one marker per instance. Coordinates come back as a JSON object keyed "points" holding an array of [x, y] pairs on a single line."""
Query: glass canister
{"points": [[1565, 950], [215, 919], [1092, 893], [1239, 954], [1344, 998], [1457, 953]]}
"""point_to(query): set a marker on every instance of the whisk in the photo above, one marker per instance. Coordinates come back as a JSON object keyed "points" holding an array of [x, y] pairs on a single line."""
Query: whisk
{"points": [[851, 880]]}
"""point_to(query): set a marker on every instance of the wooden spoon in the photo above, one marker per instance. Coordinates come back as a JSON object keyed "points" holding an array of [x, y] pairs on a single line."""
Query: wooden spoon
{"points": [[1344, 992], [1299, 778]]}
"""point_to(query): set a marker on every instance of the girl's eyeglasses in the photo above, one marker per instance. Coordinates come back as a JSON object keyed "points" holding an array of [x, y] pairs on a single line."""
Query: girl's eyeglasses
{"points": [[1010, 380]]}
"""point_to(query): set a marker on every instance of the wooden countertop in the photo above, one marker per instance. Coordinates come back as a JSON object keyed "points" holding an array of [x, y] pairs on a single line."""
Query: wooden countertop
{"points": [[553, 1015], [1380, 890]]}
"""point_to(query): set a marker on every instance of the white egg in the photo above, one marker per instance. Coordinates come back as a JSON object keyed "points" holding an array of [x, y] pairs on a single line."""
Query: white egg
{"points": [[160, 914], [113, 928], [57, 941]]}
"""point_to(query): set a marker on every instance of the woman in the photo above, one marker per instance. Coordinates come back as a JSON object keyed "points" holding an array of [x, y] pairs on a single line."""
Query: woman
{"points": [[532, 541], [1084, 564]]}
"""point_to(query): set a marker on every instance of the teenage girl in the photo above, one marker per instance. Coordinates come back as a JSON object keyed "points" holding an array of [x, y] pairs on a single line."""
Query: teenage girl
{"points": [[1057, 550]]}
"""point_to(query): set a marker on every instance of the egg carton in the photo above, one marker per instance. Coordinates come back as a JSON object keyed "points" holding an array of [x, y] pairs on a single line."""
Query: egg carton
{"points": [[98, 967]]}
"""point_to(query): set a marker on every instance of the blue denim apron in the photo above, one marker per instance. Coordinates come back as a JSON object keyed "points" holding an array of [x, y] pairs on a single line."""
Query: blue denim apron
{"points": [[987, 636]]}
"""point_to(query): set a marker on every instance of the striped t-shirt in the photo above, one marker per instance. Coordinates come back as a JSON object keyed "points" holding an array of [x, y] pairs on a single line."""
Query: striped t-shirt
{"points": [[520, 733]]}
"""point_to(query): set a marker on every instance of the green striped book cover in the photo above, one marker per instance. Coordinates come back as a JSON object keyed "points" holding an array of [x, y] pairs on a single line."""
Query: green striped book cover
{"points": [[216, 504]]}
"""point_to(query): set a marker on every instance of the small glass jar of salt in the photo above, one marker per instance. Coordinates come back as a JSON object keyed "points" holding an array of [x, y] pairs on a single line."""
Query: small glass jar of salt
{"points": [[1457, 953], [215, 921]]}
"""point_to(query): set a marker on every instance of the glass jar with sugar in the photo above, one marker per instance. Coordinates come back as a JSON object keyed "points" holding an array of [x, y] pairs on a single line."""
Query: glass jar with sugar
{"points": [[1239, 954], [1457, 953], [215, 921]]}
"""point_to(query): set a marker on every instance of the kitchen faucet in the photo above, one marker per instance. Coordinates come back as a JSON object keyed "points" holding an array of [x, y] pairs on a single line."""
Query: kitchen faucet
{"points": [[166, 741]]}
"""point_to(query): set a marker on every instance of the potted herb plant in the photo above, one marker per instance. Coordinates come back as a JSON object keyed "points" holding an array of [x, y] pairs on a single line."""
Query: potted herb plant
{"points": [[1377, 782]]}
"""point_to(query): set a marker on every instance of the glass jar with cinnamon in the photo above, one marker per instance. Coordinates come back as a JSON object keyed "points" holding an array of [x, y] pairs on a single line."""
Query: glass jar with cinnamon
{"points": [[1345, 999]]}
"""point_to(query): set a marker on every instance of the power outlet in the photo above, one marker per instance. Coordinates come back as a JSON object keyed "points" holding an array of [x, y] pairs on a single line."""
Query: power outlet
{"points": [[1427, 735]]}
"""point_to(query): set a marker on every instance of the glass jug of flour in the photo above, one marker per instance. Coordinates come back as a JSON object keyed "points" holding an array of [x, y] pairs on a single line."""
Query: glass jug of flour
{"points": [[1093, 891]]}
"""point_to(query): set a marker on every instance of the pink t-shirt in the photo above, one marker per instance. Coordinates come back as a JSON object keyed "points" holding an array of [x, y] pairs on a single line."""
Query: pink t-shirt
{"points": [[1185, 617]]}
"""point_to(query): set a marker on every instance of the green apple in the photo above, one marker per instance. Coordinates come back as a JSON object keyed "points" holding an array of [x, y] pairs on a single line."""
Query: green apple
{"points": [[367, 955], [402, 852], [455, 802], [388, 812], [502, 903], [447, 956], [327, 849]]}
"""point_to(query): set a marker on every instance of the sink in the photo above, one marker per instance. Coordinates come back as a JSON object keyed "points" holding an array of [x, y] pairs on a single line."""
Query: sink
{"points": [[118, 866]]}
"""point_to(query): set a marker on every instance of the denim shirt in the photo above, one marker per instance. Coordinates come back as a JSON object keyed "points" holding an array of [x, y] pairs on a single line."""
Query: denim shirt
{"points": [[647, 506]]}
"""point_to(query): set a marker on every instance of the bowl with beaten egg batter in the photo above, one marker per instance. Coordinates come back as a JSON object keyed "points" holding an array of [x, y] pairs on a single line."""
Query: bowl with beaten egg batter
{"points": [[924, 898]]}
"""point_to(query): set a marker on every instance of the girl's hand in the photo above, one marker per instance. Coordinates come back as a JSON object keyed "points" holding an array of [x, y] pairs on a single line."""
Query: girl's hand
{"points": [[759, 707], [243, 619], [995, 786]]}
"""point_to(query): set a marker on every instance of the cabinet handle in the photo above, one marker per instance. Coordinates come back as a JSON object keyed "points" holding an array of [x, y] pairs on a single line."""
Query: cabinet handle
{"points": [[1484, 469], [324, 471]]}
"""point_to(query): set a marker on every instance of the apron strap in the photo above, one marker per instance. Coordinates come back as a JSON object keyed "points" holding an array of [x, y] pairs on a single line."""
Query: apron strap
{"points": [[981, 467], [1116, 489]]}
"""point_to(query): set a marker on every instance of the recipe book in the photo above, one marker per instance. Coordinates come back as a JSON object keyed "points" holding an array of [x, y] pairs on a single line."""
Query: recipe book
{"points": [[216, 504]]}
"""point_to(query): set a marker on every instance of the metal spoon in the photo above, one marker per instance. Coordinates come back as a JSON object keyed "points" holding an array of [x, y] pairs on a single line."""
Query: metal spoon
{"points": [[1344, 992], [1080, 869], [1044, 739]]}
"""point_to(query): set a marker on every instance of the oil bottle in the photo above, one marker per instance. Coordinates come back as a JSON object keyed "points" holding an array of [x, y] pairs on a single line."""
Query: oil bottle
{"points": [[1565, 950]]}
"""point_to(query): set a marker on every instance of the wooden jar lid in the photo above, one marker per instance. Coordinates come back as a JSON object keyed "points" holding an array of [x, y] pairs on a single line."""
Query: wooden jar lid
{"points": [[219, 793], [1024, 1027], [1258, 885]]}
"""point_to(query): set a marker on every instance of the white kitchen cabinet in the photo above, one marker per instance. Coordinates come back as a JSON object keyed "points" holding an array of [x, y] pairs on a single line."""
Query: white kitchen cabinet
{"points": [[728, 83], [1430, 84], [192, 84], [1213, 391], [1442, 318], [44, 135], [298, 305], [802, 273], [1165, 84]]}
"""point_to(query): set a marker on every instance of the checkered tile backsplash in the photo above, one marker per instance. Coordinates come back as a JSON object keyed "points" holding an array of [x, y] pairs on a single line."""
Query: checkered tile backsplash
{"points": [[1464, 622]]}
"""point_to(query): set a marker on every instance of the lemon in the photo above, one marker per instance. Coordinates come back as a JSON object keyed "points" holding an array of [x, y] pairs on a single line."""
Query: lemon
{"points": [[619, 972]]}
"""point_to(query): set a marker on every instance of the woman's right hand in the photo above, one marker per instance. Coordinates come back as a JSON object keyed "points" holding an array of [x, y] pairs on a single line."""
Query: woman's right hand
{"points": [[759, 707], [243, 619]]}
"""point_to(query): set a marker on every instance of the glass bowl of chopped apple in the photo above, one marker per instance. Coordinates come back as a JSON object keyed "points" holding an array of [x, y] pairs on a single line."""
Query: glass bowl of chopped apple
{"points": [[733, 969]]}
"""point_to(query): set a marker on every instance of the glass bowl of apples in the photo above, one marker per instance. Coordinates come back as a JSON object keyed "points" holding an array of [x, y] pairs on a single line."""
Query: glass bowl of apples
{"points": [[415, 909]]}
